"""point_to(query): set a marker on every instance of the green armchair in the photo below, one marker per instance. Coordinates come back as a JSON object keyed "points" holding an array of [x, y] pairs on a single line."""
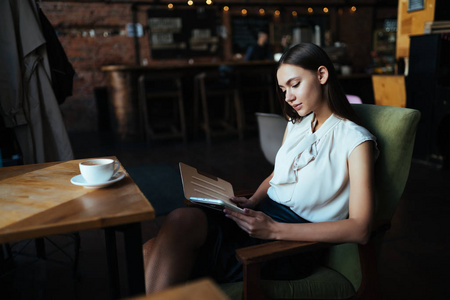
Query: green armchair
{"points": [[349, 270]]}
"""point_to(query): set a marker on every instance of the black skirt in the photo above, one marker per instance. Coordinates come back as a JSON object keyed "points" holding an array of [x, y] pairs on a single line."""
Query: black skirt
{"points": [[217, 257]]}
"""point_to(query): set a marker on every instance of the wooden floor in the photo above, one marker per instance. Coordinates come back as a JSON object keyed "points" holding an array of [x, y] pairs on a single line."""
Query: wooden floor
{"points": [[414, 256]]}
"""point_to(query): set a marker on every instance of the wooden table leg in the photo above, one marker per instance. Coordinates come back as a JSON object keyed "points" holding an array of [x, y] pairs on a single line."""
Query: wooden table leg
{"points": [[134, 259], [111, 258]]}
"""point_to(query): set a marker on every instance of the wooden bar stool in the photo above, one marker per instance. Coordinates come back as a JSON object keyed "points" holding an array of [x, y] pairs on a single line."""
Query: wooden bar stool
{"points": [[220, 105], [161, 106]]}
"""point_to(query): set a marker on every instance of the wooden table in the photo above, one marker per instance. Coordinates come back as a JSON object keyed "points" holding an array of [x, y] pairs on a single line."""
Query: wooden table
{"points": [[203, 289], [39, 200]]}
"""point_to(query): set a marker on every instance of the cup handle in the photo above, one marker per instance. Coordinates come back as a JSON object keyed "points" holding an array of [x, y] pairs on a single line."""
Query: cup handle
{"points": [[116, 168]]}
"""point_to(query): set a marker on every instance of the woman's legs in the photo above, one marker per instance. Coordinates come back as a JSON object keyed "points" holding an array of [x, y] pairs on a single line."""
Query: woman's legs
{"points": [[169, 258]]}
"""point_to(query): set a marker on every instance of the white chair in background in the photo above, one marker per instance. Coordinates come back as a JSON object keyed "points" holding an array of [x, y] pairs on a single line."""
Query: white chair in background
{"points": [[271, 129]]}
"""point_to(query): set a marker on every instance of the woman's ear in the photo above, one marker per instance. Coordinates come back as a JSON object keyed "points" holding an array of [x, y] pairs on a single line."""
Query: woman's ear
{"points": [[322, 74]]}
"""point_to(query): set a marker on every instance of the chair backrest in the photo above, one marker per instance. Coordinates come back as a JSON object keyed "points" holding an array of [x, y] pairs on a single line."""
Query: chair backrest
{"points": [[395, 130], [271, 130], [155, 83]]}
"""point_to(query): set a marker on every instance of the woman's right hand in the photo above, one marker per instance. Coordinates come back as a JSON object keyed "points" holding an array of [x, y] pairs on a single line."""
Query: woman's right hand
{"points": [[244, 202]]}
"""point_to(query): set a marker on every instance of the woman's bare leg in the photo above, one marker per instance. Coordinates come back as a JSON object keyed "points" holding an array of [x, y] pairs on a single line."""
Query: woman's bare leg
{"points": [[170, 256]]}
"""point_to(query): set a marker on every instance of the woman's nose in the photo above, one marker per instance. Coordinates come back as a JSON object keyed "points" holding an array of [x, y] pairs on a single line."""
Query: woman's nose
{"points": [[289, 96]]}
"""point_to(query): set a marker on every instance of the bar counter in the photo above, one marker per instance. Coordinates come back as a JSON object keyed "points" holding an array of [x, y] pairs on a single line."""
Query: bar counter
{"points": [[186, 66], [123, 88]]}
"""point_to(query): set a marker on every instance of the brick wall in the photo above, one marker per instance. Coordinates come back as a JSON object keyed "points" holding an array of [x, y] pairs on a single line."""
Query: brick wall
{"points": [[93, 35]]}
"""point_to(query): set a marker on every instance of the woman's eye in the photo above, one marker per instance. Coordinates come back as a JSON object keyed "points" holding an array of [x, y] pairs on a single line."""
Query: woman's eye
{"points": [[296, 85]]}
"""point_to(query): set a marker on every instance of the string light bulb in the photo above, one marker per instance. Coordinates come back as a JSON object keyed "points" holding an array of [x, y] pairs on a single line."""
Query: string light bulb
{"points": [[209, 2], [277, 13], [294, 13], [325, 10], [170, 6], [244, 12], [226, 8], [262, 12], [310, 10], [353, 9], [190, 2]]}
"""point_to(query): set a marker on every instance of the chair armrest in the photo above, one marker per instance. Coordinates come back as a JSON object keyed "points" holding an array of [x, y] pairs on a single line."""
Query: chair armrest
{"points": [[275, 249], [271, 250], [252, 256]]}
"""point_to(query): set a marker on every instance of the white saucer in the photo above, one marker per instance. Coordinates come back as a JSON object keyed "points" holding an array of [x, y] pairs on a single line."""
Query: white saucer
{"points": [[79, 180]]}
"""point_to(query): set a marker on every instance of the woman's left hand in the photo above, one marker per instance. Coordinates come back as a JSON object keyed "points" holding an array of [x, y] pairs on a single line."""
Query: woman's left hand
{"points": [[257, 224]]}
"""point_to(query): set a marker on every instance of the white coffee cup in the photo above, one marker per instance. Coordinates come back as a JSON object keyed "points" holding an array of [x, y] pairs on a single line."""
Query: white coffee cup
{"points": [[96, 171]]}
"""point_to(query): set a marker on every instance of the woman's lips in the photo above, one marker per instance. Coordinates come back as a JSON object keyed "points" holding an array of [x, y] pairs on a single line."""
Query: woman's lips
{"points": [[297, 106]]}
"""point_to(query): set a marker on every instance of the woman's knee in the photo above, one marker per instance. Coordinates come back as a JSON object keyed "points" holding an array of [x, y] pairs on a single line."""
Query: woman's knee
{"points": [[186, 221]]}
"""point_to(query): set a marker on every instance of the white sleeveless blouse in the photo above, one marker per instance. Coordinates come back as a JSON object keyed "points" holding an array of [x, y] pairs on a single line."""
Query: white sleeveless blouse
{"points": [[311, 169]]}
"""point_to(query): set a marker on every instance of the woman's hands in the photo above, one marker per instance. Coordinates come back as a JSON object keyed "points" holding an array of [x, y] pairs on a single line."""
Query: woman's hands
{"points": [[244, 202], [257, 224]]}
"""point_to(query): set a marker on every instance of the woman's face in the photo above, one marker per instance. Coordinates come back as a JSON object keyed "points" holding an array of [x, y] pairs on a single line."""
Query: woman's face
{"points": [[302, 88]]}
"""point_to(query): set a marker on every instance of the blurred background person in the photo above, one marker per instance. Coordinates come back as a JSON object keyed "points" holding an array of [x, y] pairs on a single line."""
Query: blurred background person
{"points": [[261, 50]]}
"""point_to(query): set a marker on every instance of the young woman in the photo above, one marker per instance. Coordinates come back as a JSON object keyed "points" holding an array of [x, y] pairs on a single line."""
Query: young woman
{"points": [[321, 188]]}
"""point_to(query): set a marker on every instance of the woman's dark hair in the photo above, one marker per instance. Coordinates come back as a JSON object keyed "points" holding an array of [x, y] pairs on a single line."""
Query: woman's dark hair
{"points": [[310, 57]]}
